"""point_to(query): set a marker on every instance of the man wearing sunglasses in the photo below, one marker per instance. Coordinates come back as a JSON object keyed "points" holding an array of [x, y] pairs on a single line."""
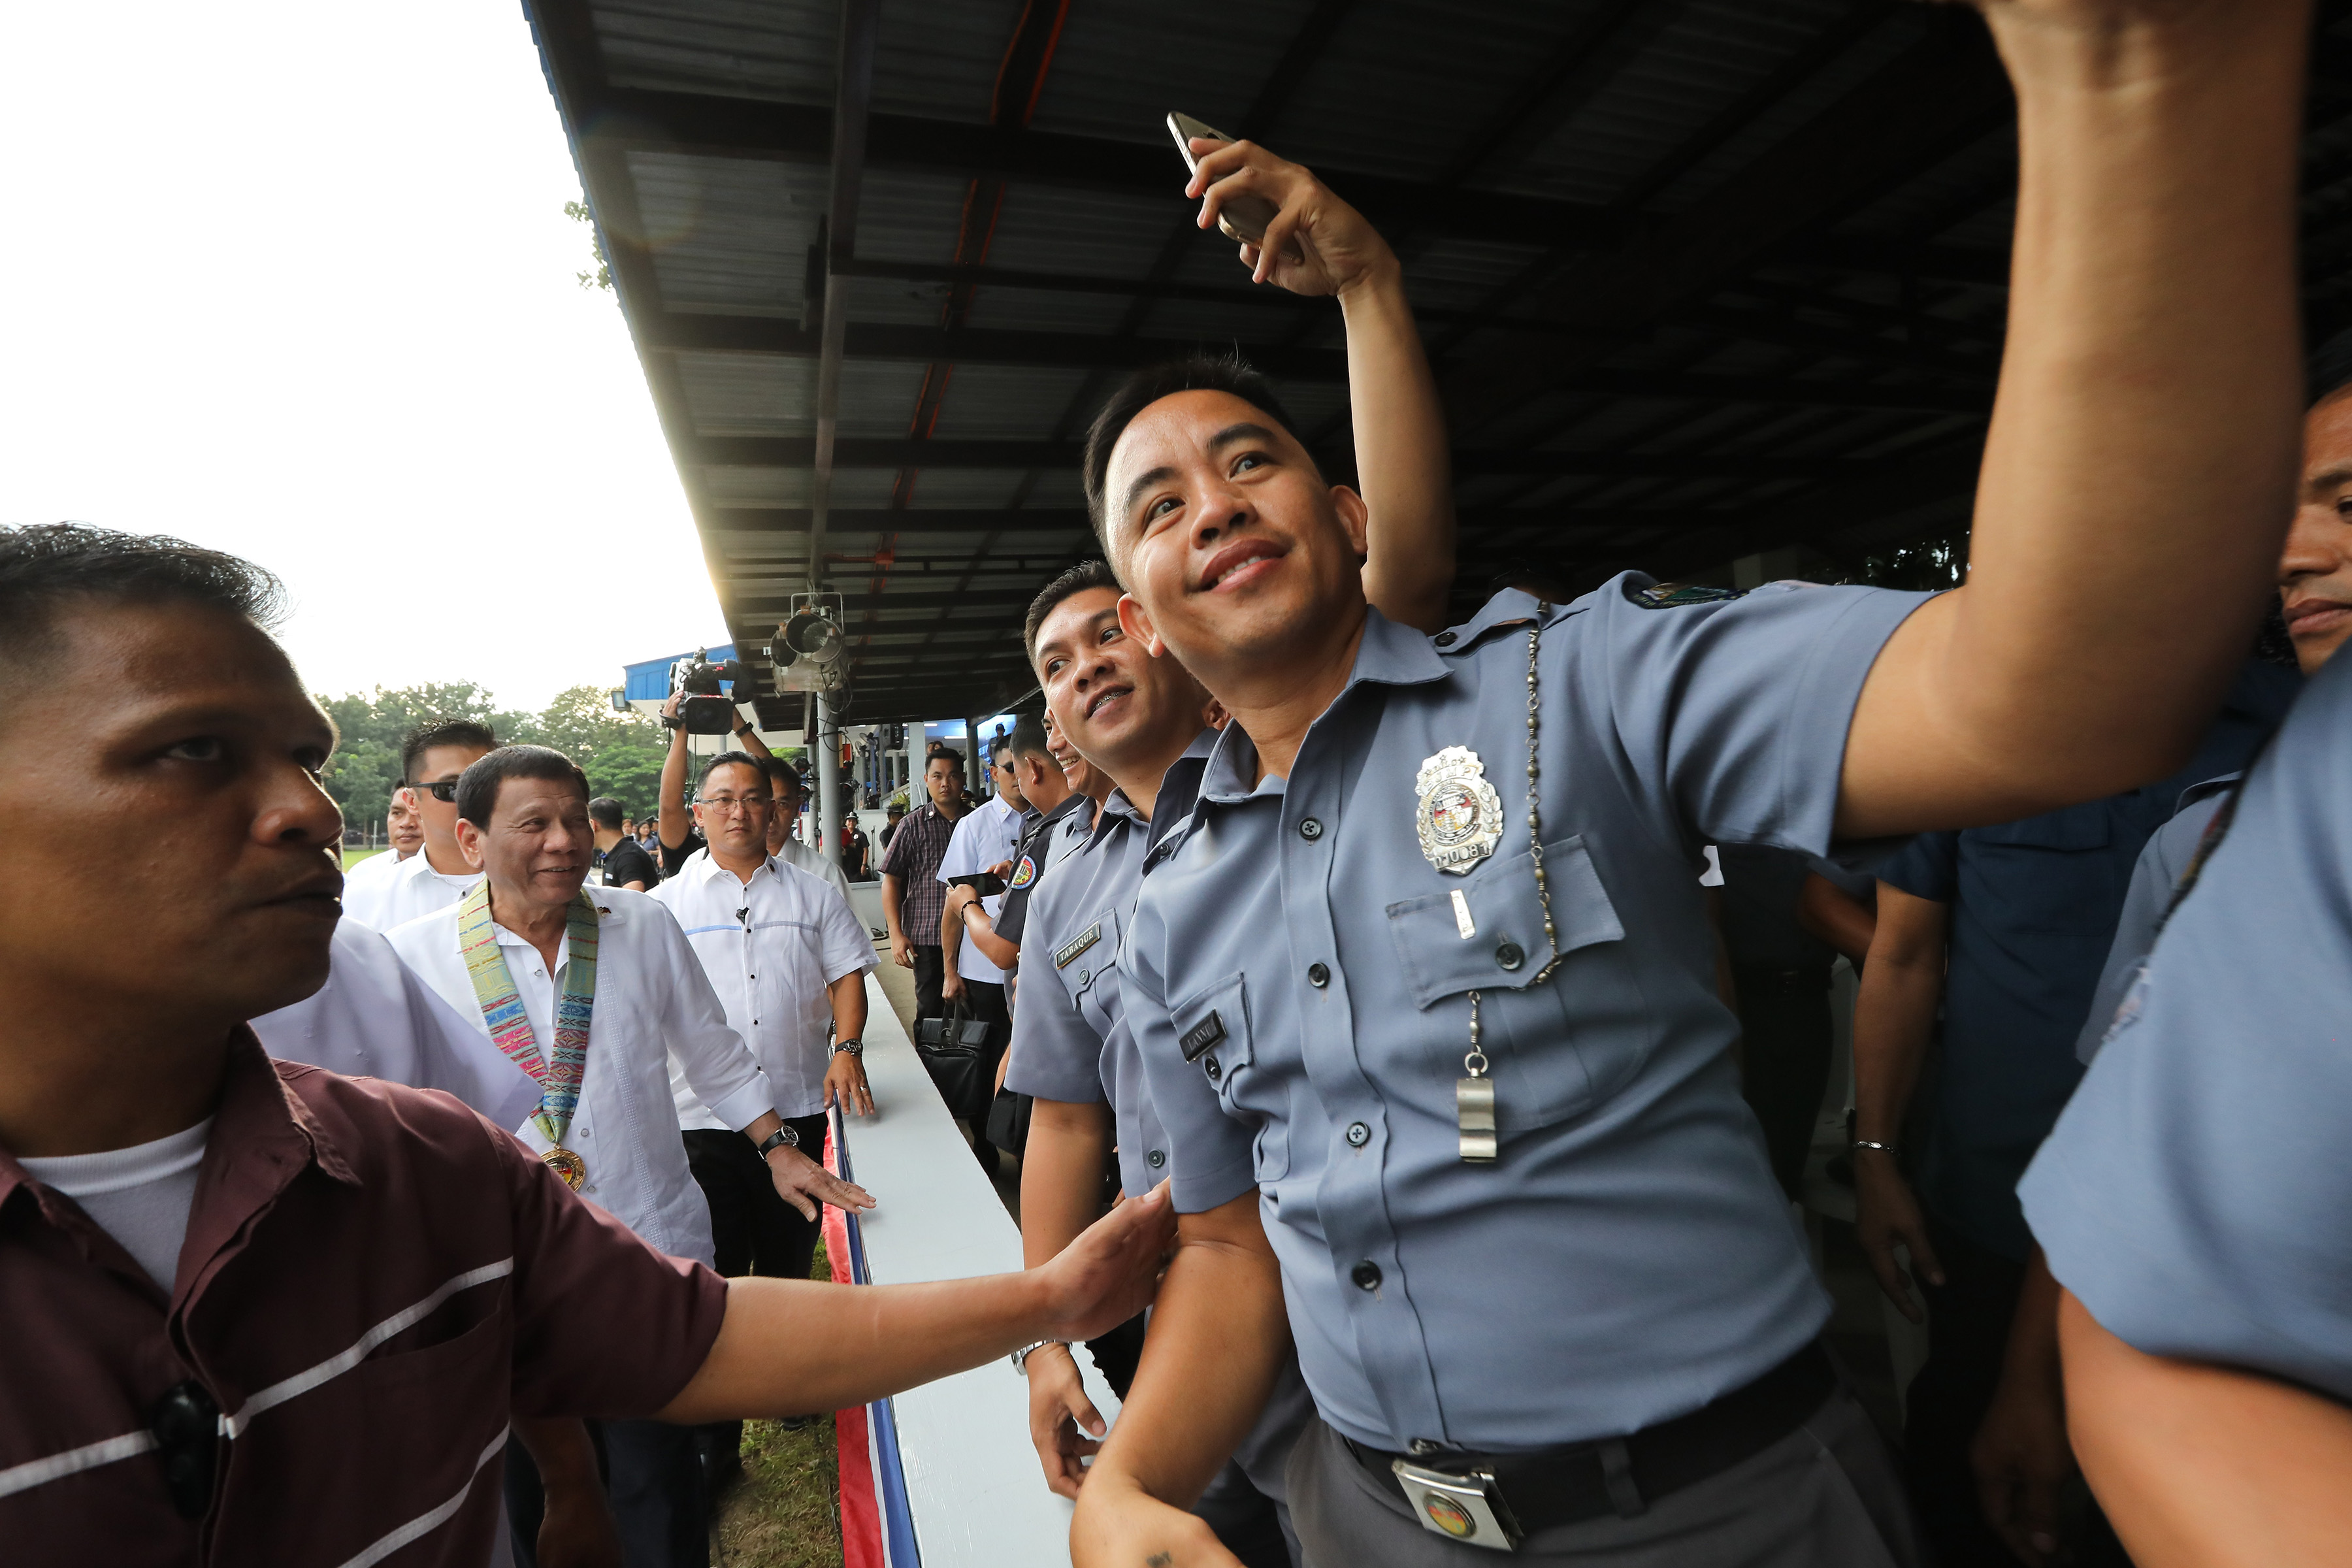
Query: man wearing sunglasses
{"points": [[431, 758]]}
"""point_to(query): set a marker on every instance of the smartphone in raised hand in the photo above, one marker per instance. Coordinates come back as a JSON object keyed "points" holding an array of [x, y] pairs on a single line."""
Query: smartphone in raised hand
{"points": [[1242, 218]]}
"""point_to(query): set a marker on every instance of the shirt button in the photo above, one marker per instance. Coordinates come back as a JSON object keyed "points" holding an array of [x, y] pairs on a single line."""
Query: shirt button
{"points": [[1358, 1135], [1155, 1159], [1444, 639], [1210, 1064], [1510, 956], [1318, 975], [1085, 976], [1367, 1275], [1310, 829]]}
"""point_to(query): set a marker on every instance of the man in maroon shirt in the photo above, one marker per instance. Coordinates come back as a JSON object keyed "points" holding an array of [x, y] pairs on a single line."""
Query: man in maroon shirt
{"points": [[257, 1312]]}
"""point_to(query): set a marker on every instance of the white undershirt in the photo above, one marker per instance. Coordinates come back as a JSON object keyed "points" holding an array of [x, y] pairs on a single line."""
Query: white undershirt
{"points": [[140, 1195]]}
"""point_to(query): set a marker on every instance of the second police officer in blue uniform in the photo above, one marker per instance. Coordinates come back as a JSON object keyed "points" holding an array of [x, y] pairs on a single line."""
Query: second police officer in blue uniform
{"points": [[1424, 990]]}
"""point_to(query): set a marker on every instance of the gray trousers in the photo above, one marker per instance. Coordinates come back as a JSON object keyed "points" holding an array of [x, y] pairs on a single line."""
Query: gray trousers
{"points": [[1825, 1496]]}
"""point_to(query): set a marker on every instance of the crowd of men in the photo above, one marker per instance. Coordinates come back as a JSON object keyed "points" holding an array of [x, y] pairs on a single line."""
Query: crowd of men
{"points": [[1426, 1017]]}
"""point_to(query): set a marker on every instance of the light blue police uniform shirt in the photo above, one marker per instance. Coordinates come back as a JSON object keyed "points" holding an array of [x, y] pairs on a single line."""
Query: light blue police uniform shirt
{"points": [[1070, 1036], [2162, 862], [1629, 1257], [2192, 1196]]}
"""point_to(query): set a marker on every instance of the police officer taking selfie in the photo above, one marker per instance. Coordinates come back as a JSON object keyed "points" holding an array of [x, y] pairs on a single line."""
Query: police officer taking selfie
{"points": [[1423, 990]]}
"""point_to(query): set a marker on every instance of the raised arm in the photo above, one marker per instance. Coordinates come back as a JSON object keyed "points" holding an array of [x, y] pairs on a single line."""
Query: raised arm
{"points": [[673, 821], [1893, 1013], [2139, 475], [1402, 467], [1218, 1337]]}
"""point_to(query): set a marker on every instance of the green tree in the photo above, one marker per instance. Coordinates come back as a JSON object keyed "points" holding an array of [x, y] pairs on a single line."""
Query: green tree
{"points": [[603, 277], [621, 752]]}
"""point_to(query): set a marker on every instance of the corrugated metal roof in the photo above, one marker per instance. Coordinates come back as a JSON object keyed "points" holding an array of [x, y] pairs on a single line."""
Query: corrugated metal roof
{"points": [[1665, 301]]}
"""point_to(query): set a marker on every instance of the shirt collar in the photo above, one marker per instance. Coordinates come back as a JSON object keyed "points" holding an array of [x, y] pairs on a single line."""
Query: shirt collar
{"points": [[263, 1134], [1389, 655], [706, 869]]}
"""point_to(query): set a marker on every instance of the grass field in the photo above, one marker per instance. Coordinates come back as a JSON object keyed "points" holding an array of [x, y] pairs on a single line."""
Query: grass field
{"points": [[353, 857], [786, 1511]]}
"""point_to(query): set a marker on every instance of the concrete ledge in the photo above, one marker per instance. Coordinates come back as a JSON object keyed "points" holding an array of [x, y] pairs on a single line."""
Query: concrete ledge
{"points": [[974, 1484]]}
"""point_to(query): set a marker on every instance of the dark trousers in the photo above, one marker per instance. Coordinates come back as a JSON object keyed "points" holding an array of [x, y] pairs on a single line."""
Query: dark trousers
{"points": [[653, 1480], [1784, 1026], [752, 1229], [930, 970], [1969, 1319]]}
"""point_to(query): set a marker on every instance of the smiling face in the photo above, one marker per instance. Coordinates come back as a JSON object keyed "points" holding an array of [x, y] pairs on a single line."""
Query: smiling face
{"points": [[2315, 568], [538, 846], [186, 722], [1227, 535], [1108, 696]]}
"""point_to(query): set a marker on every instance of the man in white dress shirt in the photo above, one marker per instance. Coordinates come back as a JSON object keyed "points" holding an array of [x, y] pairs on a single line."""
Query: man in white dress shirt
{"points": [[404, 833], [523, 817], [788, 959], [432, 758]]}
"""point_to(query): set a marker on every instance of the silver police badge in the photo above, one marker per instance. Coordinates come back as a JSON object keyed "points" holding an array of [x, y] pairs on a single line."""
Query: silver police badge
{"points": [[1459, 814]]}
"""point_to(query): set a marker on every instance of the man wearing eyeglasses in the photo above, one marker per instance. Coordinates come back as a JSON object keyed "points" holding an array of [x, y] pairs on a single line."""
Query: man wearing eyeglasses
{"points": [[788, 959], [431, 759]]}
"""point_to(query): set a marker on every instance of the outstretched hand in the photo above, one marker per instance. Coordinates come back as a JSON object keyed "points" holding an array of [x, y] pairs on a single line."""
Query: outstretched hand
{"points": [[806, 1185], [1112, 1271], [1316, 243]]}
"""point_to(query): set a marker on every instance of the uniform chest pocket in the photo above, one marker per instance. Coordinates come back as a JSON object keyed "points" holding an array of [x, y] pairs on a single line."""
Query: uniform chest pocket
{"points": [[1212, 1028], [2048, 872], [1559, 1048], [1493, 939], [1083, 961]]}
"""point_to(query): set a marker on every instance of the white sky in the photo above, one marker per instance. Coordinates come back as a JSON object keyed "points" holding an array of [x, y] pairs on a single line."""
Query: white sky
{"points": [[295, 282]]}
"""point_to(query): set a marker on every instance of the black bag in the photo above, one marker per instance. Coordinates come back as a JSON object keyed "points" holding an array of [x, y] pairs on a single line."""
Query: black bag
{"points": [[954, 1050], [1008, 1121]]}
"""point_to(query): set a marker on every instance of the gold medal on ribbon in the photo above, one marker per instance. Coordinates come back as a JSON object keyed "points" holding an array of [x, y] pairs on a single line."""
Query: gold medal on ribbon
{"points": [[568, 1165], [1459, 816]]}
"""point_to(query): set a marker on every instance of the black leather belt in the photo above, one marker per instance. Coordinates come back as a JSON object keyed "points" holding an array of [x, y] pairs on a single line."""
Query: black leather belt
{"points": [[1622, 1476]]}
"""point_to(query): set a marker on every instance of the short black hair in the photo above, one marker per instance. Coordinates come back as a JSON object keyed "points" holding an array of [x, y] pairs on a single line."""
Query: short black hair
{"points": [[432, 733], [949, 753], [1228, 372], [895, 804], [729, 760], [605, 812], [478, 785], [1028, 738], [1077, 580], [45, 566], [781, 772]]}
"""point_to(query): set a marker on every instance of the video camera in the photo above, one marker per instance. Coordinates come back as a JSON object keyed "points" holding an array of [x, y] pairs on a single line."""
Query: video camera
{"points": [[705, 710]]}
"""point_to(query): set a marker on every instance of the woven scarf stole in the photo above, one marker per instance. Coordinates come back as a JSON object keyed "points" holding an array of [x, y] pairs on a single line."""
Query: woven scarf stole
{"points": [[509, 1026]]}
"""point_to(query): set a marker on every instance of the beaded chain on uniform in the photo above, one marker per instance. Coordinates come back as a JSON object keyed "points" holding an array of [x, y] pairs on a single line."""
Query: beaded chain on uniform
{"points": [[1475, 1107]]}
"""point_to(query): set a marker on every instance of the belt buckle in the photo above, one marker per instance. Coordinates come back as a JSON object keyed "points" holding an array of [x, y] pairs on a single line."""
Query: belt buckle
{"points": [[1466, 1507]]}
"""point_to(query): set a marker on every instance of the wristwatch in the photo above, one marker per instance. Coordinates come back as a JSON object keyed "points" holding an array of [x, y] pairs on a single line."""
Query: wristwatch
{"points": [[781, 1137], [1020, 1357], [851, 1047], [1874, 1144]]}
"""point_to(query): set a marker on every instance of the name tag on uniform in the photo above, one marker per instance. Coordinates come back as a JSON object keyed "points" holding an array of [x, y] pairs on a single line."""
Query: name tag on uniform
{"points": [[1201, 1036], [1076, 946]]}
